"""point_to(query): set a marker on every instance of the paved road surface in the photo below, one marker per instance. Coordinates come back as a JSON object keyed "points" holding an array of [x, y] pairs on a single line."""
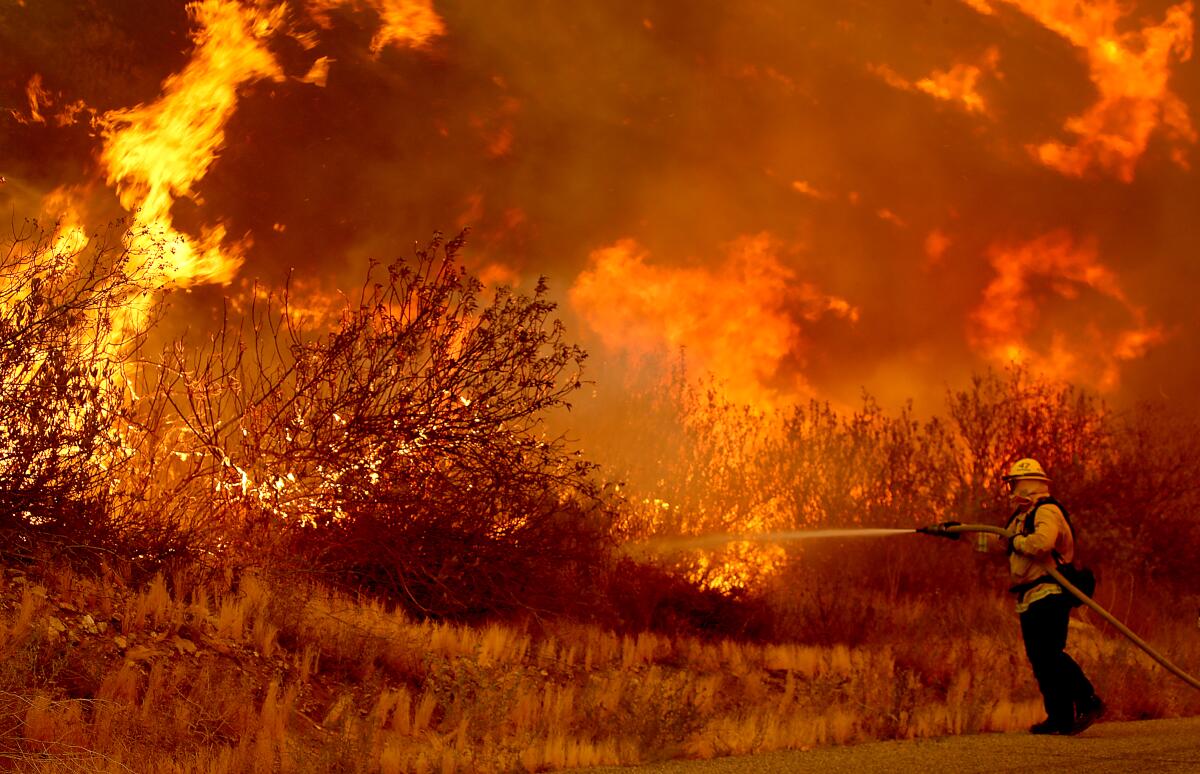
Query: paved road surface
{"points": [[1143, 747]]}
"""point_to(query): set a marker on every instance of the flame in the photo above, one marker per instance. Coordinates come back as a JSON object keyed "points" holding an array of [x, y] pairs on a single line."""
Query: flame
{"points": [[890, 77], [71, 237], [311, 303], [64, 205], [408, 22], [885, 214], [1000, 327], [496, 274], [318, 74], [157, 152], [959, 83], [937, 242], [808, 189], [496, 127], [1130, 71], [40, 98], [739, 321], [983, 6]]}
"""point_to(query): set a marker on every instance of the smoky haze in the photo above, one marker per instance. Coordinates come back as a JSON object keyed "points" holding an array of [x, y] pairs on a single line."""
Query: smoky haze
{"points": [[809, 198]]}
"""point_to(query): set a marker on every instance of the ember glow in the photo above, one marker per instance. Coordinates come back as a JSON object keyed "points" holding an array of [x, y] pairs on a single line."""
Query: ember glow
{"points": [[807, 201]]}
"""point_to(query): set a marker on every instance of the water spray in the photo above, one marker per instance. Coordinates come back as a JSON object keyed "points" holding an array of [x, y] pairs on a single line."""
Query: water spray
{"points": [[953, 530], [948, 529], [666, 545]]}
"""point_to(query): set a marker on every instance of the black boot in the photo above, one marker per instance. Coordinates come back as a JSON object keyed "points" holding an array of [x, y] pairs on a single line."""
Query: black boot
{"points": [[1051, 727], [1087, 712]]}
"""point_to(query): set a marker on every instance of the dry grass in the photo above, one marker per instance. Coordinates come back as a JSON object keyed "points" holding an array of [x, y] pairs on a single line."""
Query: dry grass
{"points": [[253, 676]]}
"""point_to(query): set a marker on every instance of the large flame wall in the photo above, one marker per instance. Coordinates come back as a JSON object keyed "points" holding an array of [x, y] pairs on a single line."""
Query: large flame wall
{"points": [[809, 198]]}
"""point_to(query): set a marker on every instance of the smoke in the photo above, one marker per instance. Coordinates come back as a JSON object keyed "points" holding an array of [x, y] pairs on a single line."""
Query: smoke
{"points": [[634, 152]]}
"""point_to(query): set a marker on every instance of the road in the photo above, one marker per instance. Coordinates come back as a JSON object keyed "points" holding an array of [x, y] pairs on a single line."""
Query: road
{"points": [[1144, 747]]}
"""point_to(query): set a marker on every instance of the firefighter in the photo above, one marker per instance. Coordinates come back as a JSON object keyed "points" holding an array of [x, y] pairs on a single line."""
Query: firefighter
{"points": [[1041, 536]]}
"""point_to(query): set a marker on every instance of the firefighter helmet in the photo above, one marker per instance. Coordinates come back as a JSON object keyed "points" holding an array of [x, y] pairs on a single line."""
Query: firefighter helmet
{"points": [[1026, 469]]}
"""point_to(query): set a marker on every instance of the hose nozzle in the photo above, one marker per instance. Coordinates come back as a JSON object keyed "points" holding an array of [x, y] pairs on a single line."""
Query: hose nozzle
{"points": [[942, 529]]}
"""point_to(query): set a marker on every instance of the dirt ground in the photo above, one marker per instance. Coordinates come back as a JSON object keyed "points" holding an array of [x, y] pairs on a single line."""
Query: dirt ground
{"points": [[1147, 747]]}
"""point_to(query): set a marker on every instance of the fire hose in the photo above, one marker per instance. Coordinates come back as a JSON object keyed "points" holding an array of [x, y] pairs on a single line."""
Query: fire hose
{"points": [[954, 530]]}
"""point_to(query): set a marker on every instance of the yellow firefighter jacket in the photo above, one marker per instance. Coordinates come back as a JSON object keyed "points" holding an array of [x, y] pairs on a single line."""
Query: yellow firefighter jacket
{"points": [[1034, 552]]}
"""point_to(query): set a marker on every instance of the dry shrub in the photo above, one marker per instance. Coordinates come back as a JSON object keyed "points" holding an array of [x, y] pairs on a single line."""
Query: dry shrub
{"points": [[78, 436], [60, 386], [398, 449], [642, 596], [397, 446]]}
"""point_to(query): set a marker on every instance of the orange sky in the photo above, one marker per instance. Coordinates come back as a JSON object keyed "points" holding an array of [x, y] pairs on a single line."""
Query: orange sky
{"points": [[810, 200]]}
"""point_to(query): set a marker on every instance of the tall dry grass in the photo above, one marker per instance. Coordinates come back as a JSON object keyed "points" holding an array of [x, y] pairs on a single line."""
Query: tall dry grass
{"points": [[253, 674]]}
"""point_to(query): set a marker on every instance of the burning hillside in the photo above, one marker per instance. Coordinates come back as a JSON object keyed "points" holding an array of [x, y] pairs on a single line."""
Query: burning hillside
{"points": [[976, 182]]}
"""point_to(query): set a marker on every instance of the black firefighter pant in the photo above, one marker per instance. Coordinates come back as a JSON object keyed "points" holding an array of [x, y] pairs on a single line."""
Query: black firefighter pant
{"points": [[1062, 682]]}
